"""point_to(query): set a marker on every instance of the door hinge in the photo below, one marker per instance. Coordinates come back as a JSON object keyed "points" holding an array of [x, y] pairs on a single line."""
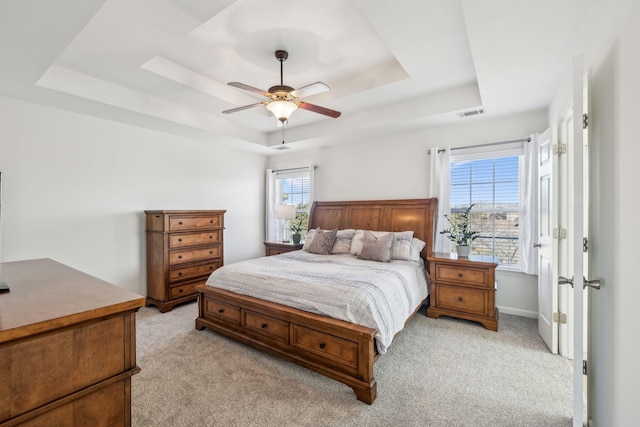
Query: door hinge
{"points": [[559, 317], [559, 233], [585, 244], [584, 367], [559, 149], [585, 121]]}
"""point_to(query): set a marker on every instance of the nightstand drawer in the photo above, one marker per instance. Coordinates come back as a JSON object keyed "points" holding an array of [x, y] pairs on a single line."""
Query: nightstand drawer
{"points": [[463, 300], [463, 275]]}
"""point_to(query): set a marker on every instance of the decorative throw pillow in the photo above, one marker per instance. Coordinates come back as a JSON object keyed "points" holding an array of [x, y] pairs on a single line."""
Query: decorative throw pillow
{"points": [[342, 245], [417, 246], [376, 248], [322, 242]]}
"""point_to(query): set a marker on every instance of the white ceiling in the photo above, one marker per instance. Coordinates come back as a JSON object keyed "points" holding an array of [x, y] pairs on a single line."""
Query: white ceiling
{"points": [[391, 65]]}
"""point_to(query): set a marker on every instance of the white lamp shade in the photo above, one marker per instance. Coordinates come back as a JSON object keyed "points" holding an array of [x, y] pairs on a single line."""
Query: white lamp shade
{"points": [[285, 212], [282, 109]]}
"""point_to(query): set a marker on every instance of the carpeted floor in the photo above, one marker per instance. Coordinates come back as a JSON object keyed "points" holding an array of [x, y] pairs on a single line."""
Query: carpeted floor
{"points": [[437, 372]]}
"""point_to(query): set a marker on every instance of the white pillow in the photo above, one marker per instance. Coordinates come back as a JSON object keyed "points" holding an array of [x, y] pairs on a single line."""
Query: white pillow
{"points": [[417, 246], [308, 239], [400, 247], [342, 245]]}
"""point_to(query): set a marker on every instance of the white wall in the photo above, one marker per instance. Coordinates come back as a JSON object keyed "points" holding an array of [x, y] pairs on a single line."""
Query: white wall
{"points": [[75, 188], [398, 168], [611, 56]]}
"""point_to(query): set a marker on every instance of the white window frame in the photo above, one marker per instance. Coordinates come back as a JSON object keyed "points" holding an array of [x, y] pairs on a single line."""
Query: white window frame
{"points": [[469, 155], [275, 228]]}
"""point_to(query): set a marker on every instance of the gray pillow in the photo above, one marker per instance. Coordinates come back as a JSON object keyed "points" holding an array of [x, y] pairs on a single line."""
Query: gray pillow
{"points": [[376, 248], [322, 242]]}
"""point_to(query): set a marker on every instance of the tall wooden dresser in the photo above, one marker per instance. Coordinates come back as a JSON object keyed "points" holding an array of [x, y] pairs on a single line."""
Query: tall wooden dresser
{"points": [[67, 347], [183, 248]]}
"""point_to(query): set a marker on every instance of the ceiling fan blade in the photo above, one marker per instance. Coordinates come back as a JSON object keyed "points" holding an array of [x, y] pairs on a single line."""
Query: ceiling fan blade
{"points": [[312, 89], [250, 88], [321, 110], [246, 107]]}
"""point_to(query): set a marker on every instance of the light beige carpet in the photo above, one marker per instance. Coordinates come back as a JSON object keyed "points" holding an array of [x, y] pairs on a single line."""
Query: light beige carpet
{"points": [[442, 372]]}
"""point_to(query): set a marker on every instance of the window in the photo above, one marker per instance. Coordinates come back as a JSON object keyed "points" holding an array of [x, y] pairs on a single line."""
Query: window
{"points": [[289, 187], [492, 182]]}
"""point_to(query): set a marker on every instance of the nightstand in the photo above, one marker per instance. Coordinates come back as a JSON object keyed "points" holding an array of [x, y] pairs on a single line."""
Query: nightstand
{"points": [[275, 248], [463, 288]]}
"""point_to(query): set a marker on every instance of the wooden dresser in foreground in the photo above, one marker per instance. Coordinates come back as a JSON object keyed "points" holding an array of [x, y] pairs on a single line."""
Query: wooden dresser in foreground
{"points": [[67, 347], [463, 288], [275, 248], [183, 248]]}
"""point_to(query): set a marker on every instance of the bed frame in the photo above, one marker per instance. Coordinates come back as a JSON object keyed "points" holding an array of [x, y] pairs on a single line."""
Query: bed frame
{"points": [[337, 349]]}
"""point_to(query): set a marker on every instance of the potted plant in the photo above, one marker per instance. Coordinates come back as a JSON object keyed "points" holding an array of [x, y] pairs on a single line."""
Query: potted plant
{"points": [[296, 226], [460, 231]]}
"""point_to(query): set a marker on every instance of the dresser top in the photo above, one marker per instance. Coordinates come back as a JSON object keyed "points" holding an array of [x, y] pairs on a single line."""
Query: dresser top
{"points": [[46, 295], [472, 259]]}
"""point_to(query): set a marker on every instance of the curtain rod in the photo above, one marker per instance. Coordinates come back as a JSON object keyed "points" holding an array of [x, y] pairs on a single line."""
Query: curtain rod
{"points": [[293, 169], [442, 150]]}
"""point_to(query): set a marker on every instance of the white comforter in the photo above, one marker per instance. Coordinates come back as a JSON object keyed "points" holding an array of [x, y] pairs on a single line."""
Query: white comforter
{"points": [[369, 293]]}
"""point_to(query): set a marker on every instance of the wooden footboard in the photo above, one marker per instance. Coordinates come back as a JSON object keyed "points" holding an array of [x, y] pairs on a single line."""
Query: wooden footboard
{"points": [[334, 348]]}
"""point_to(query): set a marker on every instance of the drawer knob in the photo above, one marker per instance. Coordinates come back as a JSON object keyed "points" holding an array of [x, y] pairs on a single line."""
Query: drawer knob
{"points": [[181, 290], [460, 299], [210, 252], [460, 274], [322, 345], [211, 237], [179, 256], [180, 223], [221, 310], [179, 240], [180, 274], [264, 326], [210, 221]]}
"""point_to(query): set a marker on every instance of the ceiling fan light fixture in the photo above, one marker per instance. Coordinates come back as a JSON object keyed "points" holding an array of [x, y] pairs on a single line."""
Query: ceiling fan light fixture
{"points": [[282, 109]]}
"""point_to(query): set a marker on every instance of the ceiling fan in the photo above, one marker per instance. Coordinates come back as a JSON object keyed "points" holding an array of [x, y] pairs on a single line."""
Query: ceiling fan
{"points": [[284, 100]]}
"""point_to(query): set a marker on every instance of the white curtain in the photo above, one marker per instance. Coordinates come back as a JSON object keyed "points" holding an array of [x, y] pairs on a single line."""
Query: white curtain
{"points": [[529, 223], [439, 187], [270, 214]]}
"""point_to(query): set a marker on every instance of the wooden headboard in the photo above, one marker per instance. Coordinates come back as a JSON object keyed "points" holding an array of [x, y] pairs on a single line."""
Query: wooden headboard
{"points": [[378, 215]]}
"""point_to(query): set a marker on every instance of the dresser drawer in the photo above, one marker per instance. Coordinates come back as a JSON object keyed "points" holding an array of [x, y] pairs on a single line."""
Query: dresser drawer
{"points": [[184, 222], [266, 325], [325, 345], [178, 274], [188, 255], [465, 300], [221, 310], [463, 275], [185, 289], [182, 240]]}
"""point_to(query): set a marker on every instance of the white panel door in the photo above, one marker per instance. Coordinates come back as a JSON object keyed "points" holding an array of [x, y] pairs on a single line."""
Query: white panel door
{"points": [[547, 278]]}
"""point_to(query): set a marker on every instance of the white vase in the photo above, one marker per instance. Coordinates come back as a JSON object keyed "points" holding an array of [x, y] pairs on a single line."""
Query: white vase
{"points": [[463, 251]]}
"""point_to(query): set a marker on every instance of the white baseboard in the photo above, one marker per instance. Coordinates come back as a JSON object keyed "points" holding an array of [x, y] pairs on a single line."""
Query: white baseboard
{"points": [[518, 312]]}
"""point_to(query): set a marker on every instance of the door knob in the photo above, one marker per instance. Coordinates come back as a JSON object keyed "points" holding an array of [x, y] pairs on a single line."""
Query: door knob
{"points": [[595, 284], [564, 281], [537, 245]]}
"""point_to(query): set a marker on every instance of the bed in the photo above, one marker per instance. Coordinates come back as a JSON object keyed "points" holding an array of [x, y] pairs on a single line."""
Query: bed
{"points": [[338, 349]]}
